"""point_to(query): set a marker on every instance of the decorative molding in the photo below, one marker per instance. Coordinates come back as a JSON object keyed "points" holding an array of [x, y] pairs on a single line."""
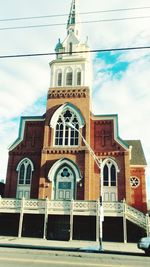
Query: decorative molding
{"points": [[63, 150], [68, 92], [64, 107], [109, 153]]}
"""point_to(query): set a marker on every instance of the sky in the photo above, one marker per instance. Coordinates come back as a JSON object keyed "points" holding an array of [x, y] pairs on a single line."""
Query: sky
{"points": [[120, 79]]}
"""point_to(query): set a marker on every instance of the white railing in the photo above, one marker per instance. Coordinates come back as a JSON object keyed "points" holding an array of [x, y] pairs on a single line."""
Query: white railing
{"points": [[55, 206], [75, 207], [113, 207], [9, 204], [58, 207], [136, 216]]}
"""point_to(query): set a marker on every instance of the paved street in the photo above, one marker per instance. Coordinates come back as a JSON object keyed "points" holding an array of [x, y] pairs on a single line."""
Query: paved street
{"points": [[15, 257]]}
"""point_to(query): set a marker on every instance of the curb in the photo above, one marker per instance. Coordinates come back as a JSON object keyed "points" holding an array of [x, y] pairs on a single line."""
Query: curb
{"points": [[68, 249]]}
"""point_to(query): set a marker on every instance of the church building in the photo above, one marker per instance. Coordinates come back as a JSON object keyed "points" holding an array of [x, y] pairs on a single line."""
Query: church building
{"points": [[70, 154]]}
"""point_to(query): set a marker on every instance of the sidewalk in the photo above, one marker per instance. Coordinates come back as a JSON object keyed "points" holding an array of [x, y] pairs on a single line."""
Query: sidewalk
{"points": [[80, 246]]}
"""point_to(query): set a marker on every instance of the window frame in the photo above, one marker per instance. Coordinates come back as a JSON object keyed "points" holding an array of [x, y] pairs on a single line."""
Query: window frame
{"points": [[59, 78], [67, 136], [109, 181], [26, 163], [78, 77], [69, 78]]}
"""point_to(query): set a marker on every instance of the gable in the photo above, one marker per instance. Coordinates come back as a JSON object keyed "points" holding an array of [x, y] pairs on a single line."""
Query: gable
{"points": [[30, 130], [106, 135]]}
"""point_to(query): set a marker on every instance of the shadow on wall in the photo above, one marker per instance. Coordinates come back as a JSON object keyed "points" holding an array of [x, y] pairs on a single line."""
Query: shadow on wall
{"points": [[2, 188]]}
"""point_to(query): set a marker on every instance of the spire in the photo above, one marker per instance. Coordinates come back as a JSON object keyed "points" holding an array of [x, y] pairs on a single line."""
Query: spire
{"points": [[73, 19], [72, 14]]}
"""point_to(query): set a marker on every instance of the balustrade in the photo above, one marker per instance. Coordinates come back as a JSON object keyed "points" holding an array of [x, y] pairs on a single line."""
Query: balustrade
{"points": [[74, 207]]}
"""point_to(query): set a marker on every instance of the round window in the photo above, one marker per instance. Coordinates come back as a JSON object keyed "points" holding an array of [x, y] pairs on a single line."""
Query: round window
{"points": [[134, 181]]}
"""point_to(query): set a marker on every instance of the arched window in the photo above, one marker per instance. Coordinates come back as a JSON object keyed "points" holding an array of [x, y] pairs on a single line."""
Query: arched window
{"points": [[70, 48], [59, 78], [69, 77], [106, 180], [64, 135], [109, 174], [24, 169], [78, 77]]}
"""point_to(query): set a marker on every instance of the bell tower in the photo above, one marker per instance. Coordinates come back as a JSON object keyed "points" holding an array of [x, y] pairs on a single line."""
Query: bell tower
{"points": [[68, 100], [72, 66]]}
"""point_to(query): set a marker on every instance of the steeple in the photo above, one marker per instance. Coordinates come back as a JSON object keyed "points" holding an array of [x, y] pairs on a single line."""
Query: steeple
{"points": [[73, 19], [71, 68]]}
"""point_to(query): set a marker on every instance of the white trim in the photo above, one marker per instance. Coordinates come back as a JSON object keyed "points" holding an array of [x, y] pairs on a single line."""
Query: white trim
{"points": [[20, 162], [112, 160], [21, 131], [114, 118], [57, 165], [64, 107]]}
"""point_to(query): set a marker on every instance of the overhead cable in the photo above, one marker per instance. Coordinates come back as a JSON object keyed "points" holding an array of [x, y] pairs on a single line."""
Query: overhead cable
{"points": [[83, 22], [82, 13], [78, 52]]}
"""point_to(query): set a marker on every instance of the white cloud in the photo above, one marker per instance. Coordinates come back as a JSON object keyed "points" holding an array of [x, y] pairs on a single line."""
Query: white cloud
{"points": [[129, 98]]}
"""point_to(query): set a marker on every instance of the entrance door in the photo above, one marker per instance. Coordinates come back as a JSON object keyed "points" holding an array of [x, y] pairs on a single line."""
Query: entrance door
{"points": [[110, 193], [64, 189]]}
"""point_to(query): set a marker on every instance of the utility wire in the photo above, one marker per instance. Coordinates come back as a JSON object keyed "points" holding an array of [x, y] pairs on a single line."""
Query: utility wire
{"points": [[78, 52], [84, 22], [82, 13]]}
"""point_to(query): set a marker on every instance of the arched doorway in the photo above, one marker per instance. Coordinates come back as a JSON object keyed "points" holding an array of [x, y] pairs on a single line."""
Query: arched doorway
{"points": [[64, 175], [65, 184]]}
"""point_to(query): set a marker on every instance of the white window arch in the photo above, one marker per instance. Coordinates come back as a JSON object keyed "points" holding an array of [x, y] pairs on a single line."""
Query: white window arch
{"points": [[69, 77], [64, 135], [24, 169], [64, 175]]}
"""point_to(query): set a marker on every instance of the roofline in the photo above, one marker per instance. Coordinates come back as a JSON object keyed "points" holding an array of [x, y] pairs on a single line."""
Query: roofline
{"points": [[138, 166], [113, 117], [67, 60], [23, 120]]}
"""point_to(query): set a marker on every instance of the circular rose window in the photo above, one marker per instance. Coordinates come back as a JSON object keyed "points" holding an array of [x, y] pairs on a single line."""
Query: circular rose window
{"points": [[134, 181]]}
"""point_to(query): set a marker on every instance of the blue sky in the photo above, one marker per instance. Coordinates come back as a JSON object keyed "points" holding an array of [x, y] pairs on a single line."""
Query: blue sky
{"points": [[120, 79]]}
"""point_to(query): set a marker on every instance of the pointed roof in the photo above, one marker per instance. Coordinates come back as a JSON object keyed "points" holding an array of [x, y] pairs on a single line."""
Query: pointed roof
{"points": [[72, 14], [137, 153], [73, 25]]}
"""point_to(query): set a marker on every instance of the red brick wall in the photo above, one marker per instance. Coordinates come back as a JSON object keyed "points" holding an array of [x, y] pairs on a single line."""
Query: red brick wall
{"points": [[30, 147], [139, 193]]}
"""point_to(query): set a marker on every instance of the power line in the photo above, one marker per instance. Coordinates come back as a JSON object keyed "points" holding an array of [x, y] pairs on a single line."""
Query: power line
{"points": [[78, 52], [84, 22], [82, 13]]}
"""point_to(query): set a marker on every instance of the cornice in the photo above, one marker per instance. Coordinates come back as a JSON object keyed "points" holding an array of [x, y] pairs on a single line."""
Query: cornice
{"points": [[68, 92], [63, 150]]}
